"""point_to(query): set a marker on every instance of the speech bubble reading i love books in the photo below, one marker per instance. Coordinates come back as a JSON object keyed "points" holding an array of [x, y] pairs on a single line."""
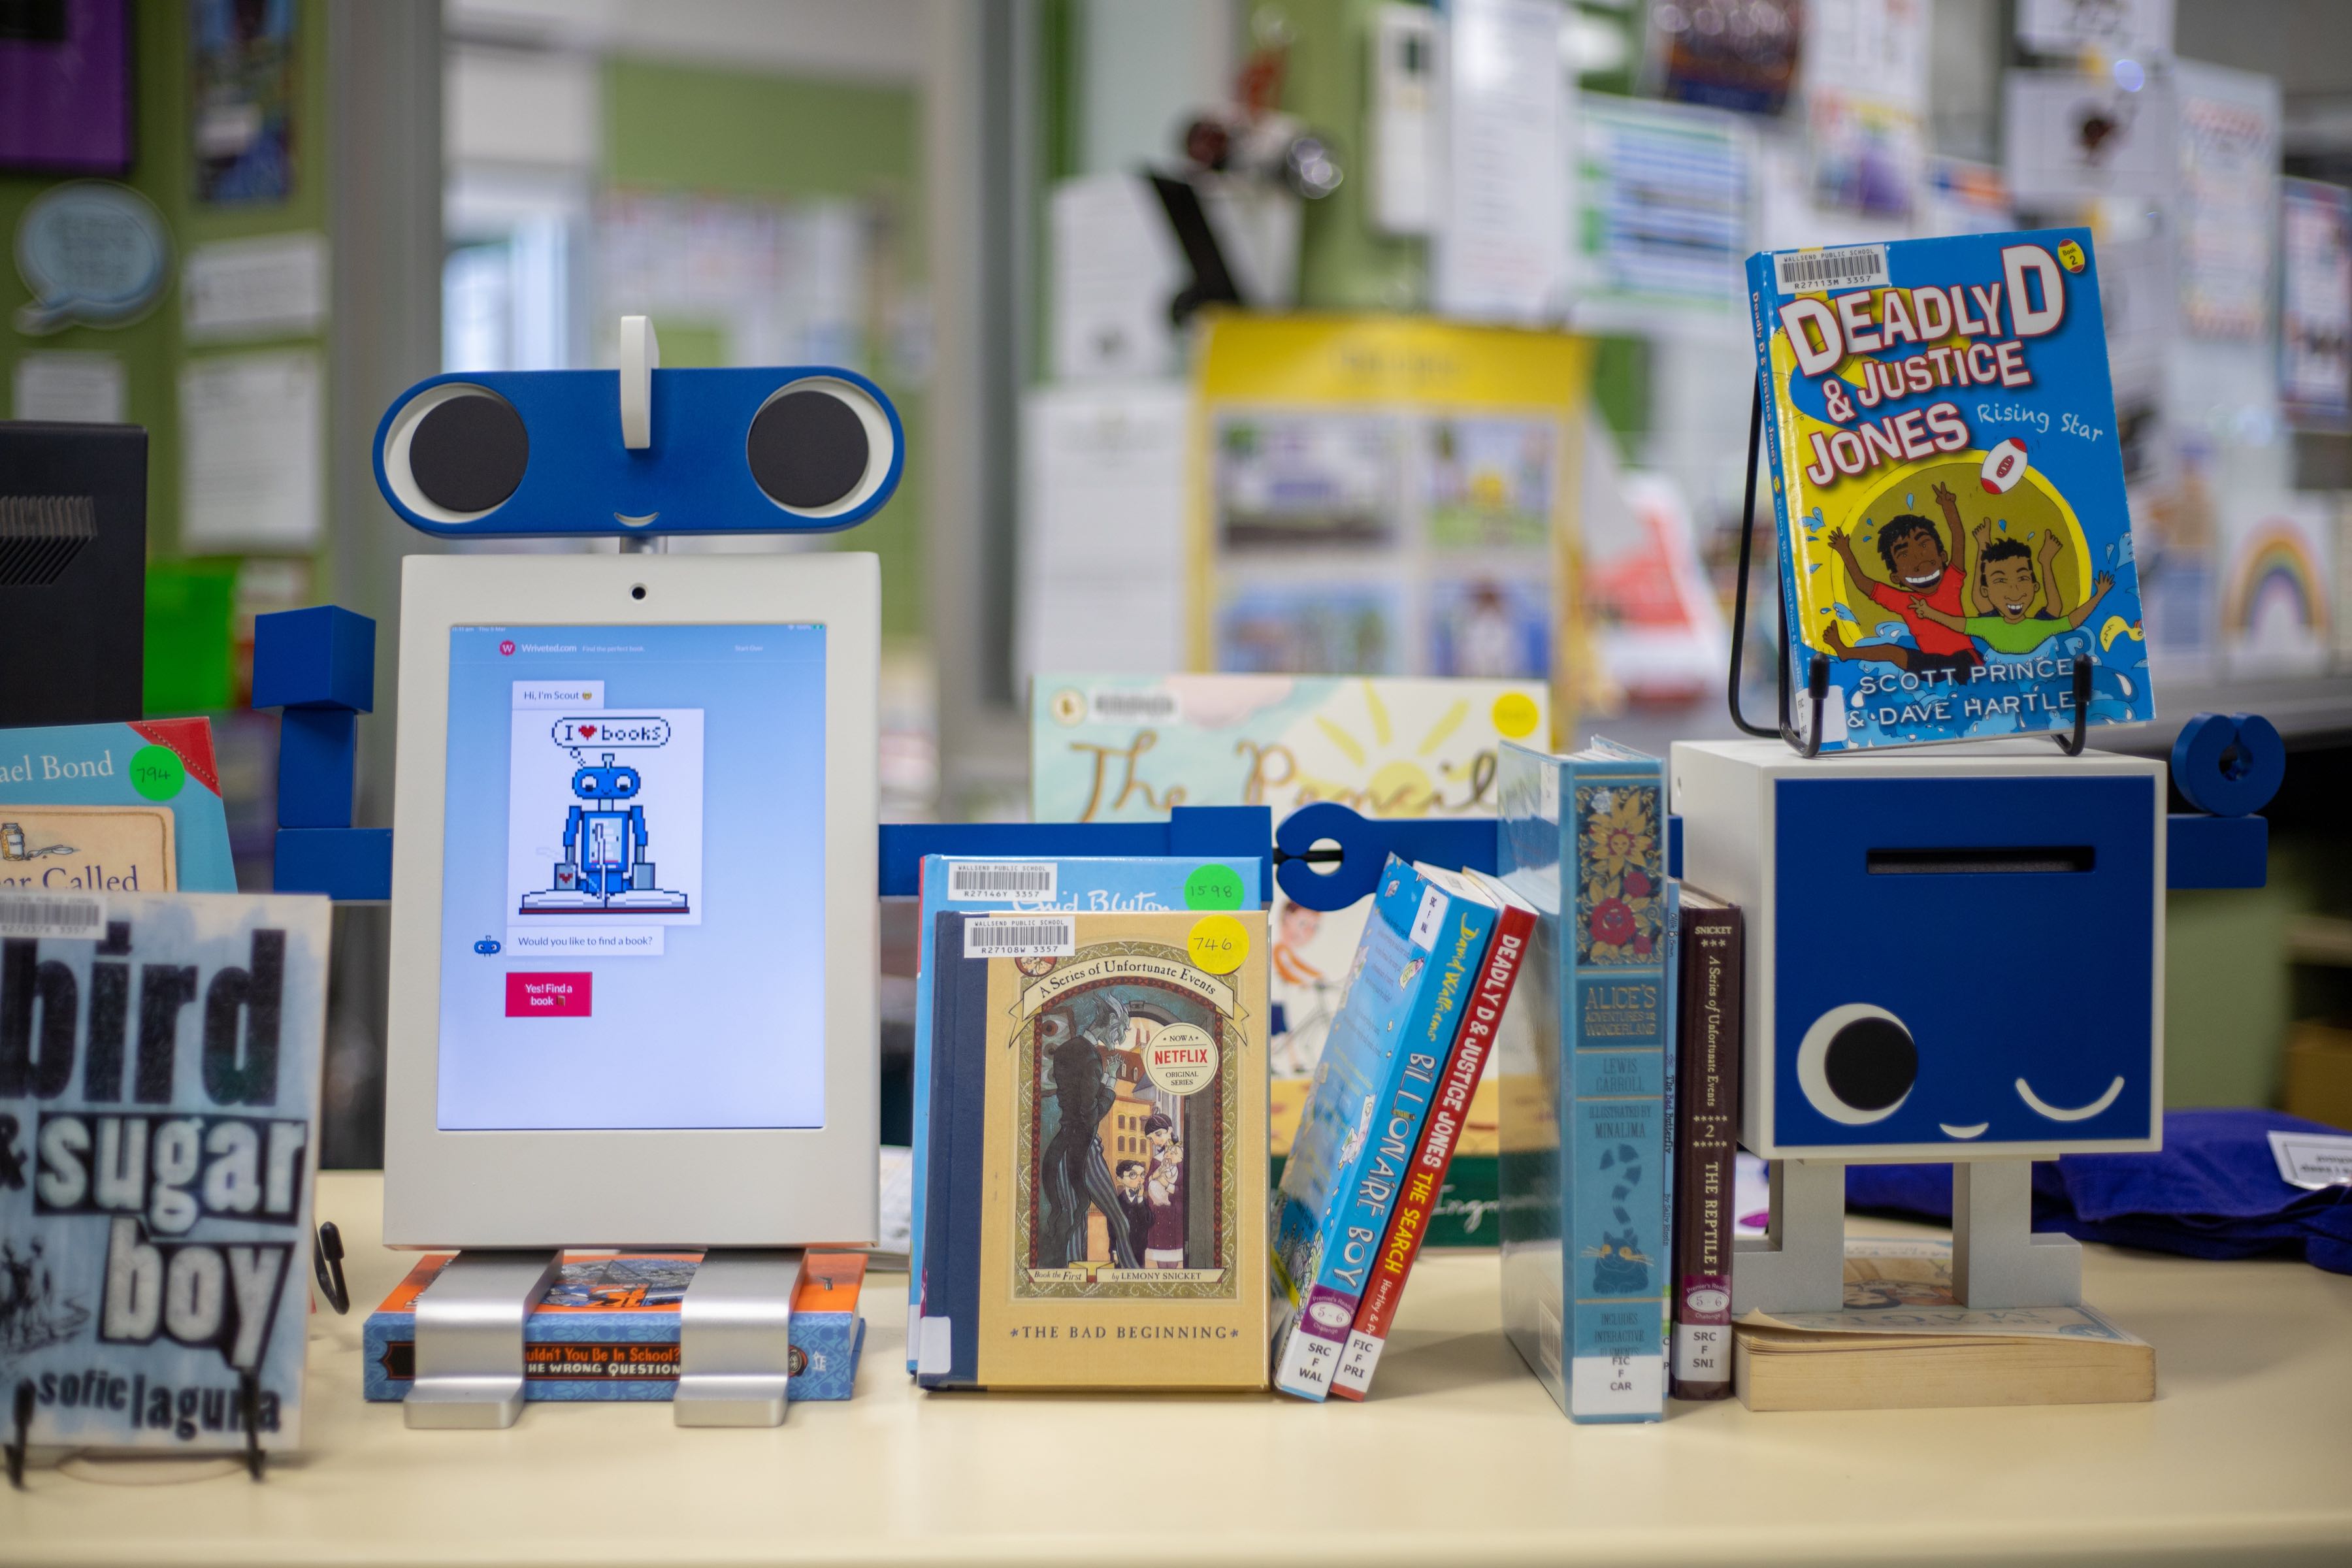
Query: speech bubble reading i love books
{"points": [[1949, 482]]}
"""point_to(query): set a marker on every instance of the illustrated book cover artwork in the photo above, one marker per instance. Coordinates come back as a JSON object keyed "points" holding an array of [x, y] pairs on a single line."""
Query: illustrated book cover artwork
{"points": [[1099, 884], [1948, 483], [113, 809], [1440, 1134], [159, 1110], [1586, 1179], [1127, 749], [608, 1328], [1408, 990], [1098, 1163]]}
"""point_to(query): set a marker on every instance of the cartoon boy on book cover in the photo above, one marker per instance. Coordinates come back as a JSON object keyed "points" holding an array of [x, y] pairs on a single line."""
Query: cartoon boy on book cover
{"points": [[2007, 584], [1924, 586]]}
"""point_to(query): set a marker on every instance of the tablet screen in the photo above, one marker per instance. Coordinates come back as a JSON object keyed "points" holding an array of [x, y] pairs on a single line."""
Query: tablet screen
{"points": [[632, 879]]}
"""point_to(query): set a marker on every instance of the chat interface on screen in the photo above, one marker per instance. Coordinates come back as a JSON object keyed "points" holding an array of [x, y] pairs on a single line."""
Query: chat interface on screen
{"points": [[632, 879]]}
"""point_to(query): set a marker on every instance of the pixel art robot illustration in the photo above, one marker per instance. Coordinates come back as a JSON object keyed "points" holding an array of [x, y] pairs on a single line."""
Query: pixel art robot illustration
{"points": [[603, 869]]}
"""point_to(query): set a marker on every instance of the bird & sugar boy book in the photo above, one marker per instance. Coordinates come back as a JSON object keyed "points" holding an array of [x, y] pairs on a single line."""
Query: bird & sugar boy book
{"points": [[158, 1107], [1949, 484]]}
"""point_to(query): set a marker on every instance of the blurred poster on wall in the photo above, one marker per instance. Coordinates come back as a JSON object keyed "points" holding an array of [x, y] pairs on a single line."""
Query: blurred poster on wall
{"points": [[65, 87], [2278, 585], [241, 59], [1382, 495], [1656, 625], [738, 281], [2228, 153], [2176, 541], [2072, 136], [1500, 253], [1962, 198], [1738, 55], [1102, 528], [1663, 199], [1116, 267], [2138, 30], [2316, 304], [1866, 77]]}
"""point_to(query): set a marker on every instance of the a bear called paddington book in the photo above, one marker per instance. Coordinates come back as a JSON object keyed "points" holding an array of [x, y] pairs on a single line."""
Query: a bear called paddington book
{"points": [[1948, 478]]}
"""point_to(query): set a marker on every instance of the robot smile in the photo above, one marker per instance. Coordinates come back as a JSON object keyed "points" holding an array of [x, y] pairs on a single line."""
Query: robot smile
{"points": [[2080, 1113], [627, 519], [1951, 1131]]}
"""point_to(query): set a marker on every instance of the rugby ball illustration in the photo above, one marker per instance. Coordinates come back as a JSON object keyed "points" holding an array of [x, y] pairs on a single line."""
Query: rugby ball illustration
{"points": [[2003, 466]]}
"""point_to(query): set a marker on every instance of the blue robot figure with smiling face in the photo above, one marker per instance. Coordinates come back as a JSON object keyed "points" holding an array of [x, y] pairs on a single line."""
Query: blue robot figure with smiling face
{"points": [[604, 869]]}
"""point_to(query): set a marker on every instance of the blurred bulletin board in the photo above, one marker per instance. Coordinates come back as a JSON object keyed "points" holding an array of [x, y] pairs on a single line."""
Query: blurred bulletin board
{"points": [[1385, 495]]}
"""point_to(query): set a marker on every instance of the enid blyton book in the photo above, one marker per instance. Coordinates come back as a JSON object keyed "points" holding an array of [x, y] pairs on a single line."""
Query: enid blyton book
{"points": [[608, 1328], [1948, 480], [1098, 1170], [159, 1111]]}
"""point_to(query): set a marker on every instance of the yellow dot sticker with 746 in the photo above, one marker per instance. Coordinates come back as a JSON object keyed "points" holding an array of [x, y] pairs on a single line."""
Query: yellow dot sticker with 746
{"points": [[1219, 943]]}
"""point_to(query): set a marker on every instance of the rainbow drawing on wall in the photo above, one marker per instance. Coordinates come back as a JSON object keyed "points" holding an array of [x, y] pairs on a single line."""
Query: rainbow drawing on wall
{"points": [[2275, 601]]}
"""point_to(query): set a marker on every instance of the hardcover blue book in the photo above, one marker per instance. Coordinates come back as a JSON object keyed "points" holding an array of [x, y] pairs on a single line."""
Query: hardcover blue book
{"points": [[1101, 884], [1394, 1030], [1585, 1066], [1949, 481]]}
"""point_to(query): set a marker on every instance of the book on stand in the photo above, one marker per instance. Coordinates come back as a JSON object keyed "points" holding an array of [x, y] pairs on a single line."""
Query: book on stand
{"points": [[1584, 1177], [1441, 1135], [1099, 1157], [1137, 883], [1710, 969], [1407, 988], [1946, 470]]}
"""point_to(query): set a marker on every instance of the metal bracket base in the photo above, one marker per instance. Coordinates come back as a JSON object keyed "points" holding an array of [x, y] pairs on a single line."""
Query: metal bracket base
{"points": [[470, 1324], [1800, 1263], [735, 1343], [1998, 1259]]}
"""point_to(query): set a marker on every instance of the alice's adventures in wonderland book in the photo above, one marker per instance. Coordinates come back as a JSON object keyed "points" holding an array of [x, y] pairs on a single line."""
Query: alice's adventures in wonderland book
{"points": [[1948, 476], [159, 1112], [1098, 1184]]}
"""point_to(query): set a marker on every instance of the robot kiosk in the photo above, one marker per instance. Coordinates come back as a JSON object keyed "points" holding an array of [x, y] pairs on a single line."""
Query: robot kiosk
{"points": [[1956, 953]]}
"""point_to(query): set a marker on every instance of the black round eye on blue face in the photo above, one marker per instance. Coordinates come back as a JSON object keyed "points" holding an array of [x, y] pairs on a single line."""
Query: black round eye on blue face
{"points": [[468, 453], [807, 450], [1871, 1063]]}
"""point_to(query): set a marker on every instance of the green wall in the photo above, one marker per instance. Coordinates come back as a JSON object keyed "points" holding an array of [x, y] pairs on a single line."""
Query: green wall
{"points": [[691, 130]]}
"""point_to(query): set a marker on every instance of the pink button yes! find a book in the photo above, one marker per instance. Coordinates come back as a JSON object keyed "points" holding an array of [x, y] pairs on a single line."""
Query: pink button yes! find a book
{"points": [[535, 994]]}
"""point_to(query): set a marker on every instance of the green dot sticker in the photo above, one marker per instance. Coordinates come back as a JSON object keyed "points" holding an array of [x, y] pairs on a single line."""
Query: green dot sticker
{"points": [[1213, 888], [157, 772]]}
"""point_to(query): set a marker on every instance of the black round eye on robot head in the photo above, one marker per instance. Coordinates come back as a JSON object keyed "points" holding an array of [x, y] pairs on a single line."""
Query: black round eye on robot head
{"points": [[819, 447], [1857, 1064], [456, 452]]}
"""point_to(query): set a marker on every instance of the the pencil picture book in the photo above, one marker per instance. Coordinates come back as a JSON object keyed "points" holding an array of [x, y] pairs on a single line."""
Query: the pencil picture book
{"points": [[159, 1108], [1440, 1134], [608, 1328], [157, 768], [1412, 976], [1098, 1173], [1585, 1182], [1949, 482], [1097, 883]]}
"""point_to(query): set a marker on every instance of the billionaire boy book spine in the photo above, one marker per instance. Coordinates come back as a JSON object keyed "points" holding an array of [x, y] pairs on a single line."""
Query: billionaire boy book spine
{"points": [[1440, 1134], [1447, 937], [1948, 479], [1585, 1257], [1101, 884], [1711, 970]]}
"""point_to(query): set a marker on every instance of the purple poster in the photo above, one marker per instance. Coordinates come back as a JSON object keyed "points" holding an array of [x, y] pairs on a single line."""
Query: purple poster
{"points": [[65, 86]]}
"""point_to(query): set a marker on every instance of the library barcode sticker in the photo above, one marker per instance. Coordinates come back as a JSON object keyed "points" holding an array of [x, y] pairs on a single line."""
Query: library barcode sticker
{"points": [[48, 916], [996, 880], [1033, 936], [1848, 267]]}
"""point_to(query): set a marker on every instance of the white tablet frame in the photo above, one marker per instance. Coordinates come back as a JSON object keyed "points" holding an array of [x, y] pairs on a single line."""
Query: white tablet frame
{"points": [[703, 1187]]}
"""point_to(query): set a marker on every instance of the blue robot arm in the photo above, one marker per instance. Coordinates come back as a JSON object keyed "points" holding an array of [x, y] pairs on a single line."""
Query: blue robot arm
{"points": [[638, 825], [571, 831]]}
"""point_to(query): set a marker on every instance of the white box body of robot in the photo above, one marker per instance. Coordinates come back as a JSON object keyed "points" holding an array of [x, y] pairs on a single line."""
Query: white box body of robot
{"points": [[1954, 953]]}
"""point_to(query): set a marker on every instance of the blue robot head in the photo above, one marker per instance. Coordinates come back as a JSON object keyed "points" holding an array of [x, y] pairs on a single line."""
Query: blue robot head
{"points": [[640, 450], [606, 783]]}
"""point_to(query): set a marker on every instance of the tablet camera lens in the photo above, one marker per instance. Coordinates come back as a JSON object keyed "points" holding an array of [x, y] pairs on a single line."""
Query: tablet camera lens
{"points": [[807, 450], [638, 592], [468, 453]]}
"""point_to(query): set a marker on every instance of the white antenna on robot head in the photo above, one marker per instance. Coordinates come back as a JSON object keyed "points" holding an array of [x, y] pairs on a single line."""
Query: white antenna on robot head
{"points": [[640, 357]]}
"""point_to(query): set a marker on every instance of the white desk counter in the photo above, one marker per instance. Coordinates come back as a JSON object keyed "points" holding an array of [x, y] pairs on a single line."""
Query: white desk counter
{"points": [[2246, 1453]]}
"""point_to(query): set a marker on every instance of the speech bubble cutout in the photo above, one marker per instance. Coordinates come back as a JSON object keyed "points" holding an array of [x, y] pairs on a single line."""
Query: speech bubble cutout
{"points": [[90, 251], [610, 732]]}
